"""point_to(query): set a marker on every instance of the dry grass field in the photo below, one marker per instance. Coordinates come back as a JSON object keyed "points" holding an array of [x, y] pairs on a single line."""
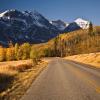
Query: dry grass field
{"points": [[91, 59], [17, 76]]}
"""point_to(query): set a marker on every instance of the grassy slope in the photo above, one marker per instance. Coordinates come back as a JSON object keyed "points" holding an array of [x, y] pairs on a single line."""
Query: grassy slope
{"points": [[91, 59], [86, 44], [80, 42]]}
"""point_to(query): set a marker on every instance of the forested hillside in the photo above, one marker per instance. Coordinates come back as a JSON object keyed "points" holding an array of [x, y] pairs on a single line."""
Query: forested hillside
{"points": [[76, 42], [72, 43]]}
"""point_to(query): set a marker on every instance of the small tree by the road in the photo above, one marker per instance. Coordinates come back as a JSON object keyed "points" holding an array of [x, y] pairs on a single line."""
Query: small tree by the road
{"points": [[16, 49], [26, 50], [34, 56]]}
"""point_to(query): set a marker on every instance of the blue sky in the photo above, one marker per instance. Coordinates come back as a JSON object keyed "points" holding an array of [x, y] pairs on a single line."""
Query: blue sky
{"points": [[67, 10]]}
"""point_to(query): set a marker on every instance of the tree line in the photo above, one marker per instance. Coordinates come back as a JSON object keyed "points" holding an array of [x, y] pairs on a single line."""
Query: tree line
{"points": [[77, 42], [19, 52], [83, 41]]}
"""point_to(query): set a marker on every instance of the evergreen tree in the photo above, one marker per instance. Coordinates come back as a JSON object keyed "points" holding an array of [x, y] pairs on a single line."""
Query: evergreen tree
{"points": [[90, 29]]}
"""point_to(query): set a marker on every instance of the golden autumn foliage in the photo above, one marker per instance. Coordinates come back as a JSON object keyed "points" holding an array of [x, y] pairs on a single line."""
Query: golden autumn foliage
{"points": [[80, 41], [71, 43], [10, 54], [76, 42], [2, 54], [20, 52]]}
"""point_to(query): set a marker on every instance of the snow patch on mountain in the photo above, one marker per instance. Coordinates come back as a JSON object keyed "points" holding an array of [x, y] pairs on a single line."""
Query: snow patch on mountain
{"points": [[23, 16], [2, 14], [84, 24], [59, 24]]}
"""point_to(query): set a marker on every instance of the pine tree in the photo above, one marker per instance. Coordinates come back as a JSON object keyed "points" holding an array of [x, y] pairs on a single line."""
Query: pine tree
{"points": [[90, 29]]}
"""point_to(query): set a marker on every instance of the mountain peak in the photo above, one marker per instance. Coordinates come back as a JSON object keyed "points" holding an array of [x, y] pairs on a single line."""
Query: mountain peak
{"points": [[80, 19], [12, 13], [3, 13], [84, 24]]}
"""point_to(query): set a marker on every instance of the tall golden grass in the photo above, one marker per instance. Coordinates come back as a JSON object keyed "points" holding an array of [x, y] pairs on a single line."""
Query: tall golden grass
{"points": [[9, 69], [91, 59]]}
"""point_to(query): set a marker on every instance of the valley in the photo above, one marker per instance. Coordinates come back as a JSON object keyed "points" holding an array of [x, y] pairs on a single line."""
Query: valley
{"points": [[41, 58]]}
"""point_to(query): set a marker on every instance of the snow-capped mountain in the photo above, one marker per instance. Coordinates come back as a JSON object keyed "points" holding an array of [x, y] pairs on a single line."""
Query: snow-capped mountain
{"points": [[59, 24], [84, 24], [27, 17], [33, 27], [17, 26], [77, 24]]}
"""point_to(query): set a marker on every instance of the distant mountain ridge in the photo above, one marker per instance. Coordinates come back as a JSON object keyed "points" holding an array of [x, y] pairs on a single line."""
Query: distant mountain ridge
{"points": [[61, 25], [32, 27]]}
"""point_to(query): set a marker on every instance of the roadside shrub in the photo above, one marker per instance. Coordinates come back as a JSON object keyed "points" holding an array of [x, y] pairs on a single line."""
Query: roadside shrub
{"points": [[22, 52], [26, 51], [21, 67], [34, 55], [16, 50]]}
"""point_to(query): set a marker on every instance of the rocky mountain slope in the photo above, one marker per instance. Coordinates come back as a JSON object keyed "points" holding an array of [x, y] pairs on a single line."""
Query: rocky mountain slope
{"points": [[32, 27], [59, 24], [25, 26]]}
